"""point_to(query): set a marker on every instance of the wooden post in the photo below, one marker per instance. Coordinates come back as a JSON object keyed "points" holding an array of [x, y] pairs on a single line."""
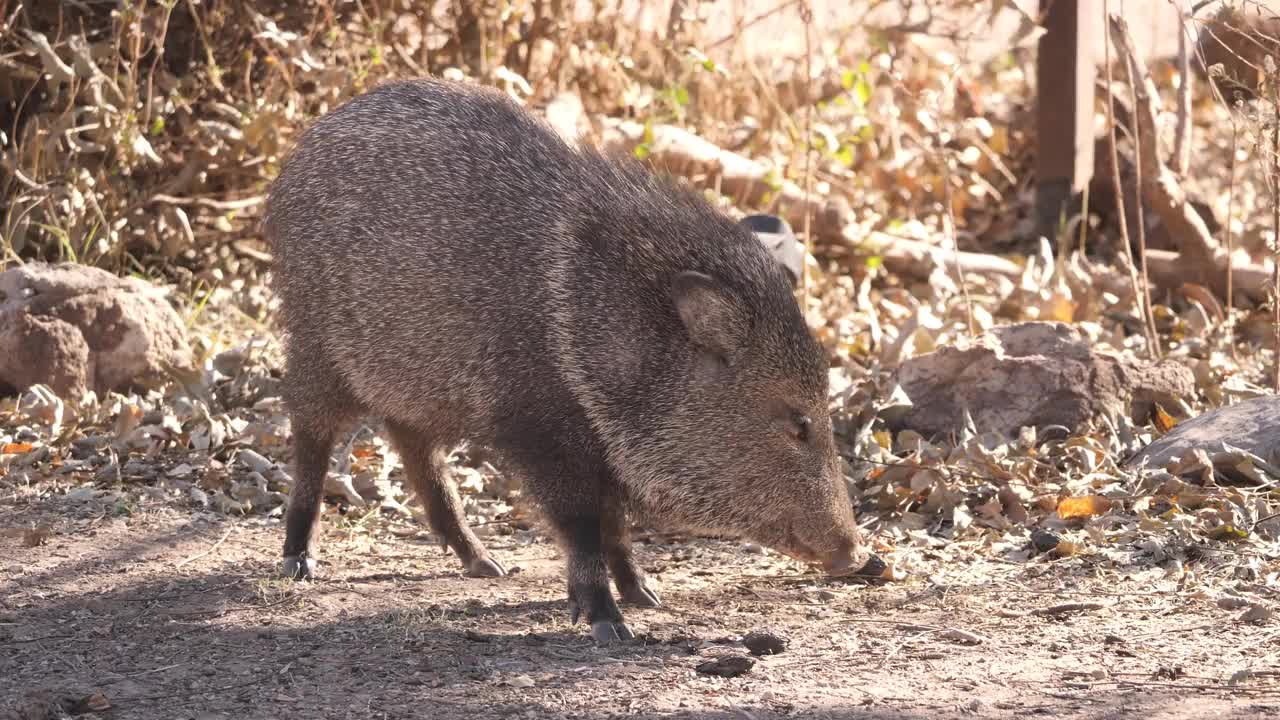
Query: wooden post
{"points": [[1064, 110]]}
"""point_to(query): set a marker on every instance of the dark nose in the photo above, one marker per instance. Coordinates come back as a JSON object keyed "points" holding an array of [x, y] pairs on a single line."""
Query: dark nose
{"points": [[847, 559]]}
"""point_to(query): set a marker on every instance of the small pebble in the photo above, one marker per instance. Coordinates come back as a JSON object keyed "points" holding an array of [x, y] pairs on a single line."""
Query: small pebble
{"points": [[727, 666], [255, 461], [763, 642], [875, 567], [1044, 541]]}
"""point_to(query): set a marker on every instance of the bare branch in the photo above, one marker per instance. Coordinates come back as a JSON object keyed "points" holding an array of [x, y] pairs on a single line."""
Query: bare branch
{"points": [[1182, 135], [1204, 260]]}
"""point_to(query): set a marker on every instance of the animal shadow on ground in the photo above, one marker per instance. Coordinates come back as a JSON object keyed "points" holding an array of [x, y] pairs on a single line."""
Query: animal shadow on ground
{"points": [[161, 618], [237, 644]]}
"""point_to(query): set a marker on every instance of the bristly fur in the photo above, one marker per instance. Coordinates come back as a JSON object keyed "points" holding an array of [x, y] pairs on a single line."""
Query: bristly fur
{"points": [[444, 260]]}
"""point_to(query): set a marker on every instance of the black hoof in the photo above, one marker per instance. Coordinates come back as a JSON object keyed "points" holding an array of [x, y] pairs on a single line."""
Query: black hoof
{"points": [[640, 594], [299, 567], [483, 567], [607, 632]]}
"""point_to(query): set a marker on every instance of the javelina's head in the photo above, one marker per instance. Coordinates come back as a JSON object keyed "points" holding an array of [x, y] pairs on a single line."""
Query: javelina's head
{"points": [[742, 443]]}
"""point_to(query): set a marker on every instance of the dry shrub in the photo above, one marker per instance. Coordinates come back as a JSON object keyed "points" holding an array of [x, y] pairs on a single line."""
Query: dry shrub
{"points": [[141, 135], [1238, 38]]}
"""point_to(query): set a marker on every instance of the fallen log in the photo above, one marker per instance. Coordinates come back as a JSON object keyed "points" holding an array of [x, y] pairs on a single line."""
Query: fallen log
{"points": [[918, 259], [1168, 270]]}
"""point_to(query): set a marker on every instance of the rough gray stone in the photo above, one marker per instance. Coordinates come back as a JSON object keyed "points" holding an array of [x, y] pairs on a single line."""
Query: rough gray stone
{"points": [[77, 328], [1036, 373], [1252, 425]]}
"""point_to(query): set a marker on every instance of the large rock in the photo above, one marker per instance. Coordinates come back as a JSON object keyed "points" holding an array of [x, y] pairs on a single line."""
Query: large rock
{"points": [[1252, 425], [1037, 373], [77, 328]]}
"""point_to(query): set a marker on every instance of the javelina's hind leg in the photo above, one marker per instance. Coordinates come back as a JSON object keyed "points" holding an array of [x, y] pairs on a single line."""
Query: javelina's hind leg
{"points": [[589, 592], [310, 463], [424, 465], [627, 575]]}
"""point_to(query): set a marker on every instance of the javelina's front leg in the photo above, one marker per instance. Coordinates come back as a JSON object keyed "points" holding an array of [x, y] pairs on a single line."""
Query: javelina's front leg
{"points": [[589, 592], [630, 580]]}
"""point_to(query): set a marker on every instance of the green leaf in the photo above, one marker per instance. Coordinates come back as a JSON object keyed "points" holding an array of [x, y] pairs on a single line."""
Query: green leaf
{"points": [[847, 79], [862, 90], [865, 133], [682, 96], [1229, 532], [874, 262], [773, 180], [845, 155], [157, 125], [709, 65], [648, 132], [642, 151]]}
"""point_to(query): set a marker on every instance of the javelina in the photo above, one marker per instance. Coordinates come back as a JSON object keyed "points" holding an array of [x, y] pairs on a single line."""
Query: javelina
{"points": [[446, 262]]}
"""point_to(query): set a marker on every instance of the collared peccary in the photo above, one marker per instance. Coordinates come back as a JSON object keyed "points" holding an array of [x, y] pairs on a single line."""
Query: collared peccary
{"points": [[446, 262]]}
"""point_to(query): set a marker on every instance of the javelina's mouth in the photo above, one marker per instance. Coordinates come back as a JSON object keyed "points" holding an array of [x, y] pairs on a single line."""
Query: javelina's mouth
{"points": [[797, 549], [839, 561]]}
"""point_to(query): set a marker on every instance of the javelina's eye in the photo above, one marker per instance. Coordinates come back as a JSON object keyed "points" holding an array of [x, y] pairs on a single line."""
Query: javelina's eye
{"points": [[799, 427], [713, 363]]}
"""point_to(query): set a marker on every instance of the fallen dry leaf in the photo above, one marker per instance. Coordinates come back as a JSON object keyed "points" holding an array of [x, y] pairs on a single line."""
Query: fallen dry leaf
{"points": [[1163, 420], [963, 636], [97, 702], [1083, 507], [1065, 608]]}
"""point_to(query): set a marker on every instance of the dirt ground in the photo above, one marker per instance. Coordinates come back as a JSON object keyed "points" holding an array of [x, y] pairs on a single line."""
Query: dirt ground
{"points": [[165, 613]]}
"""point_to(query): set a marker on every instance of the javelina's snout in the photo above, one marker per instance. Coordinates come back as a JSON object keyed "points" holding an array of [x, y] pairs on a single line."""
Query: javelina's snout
{"points": [[849, 557]]}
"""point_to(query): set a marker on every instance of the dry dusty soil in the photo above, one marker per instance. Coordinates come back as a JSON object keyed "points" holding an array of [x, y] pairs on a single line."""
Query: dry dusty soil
{"points": [[162, 613]]}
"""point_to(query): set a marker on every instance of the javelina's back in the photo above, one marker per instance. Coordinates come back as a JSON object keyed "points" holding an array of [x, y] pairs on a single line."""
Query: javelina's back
{"points": [[447, 262], [398, 262]]}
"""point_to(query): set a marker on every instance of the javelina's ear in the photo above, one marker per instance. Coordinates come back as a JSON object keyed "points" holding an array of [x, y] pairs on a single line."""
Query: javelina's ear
{"points": [[709, 313]]}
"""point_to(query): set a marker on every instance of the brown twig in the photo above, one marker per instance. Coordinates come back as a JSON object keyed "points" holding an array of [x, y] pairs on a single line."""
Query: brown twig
{"points": [[806, 16], [1117, 187], [1182, 134], [1275, 215], [737, 30], [1200, 258], [211, 549], [185, 692], [1070, 607], [1148, 316], [1231, 205], [228, 611], [955, 243], [36, 639]]}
